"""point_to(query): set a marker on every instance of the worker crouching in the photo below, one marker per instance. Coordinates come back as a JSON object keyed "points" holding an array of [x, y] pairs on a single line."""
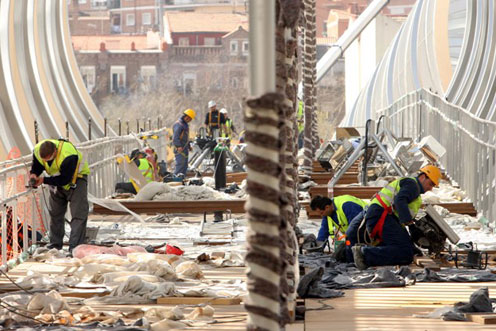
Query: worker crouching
{"points": [[144, 166], [336, 215], [390, 211]]}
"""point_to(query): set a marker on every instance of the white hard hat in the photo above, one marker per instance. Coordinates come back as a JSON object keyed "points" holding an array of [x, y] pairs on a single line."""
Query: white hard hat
{"points": [[211, 103], [223, 111]]}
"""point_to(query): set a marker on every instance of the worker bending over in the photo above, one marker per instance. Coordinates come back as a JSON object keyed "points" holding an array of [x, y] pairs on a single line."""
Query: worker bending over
{"points": [[391, 209], [336, 215], [180, 140], [144, 166], [68, 183]]}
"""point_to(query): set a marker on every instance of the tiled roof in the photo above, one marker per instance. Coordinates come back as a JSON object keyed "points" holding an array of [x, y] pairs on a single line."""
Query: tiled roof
{"points": [[205, 22], [112, 42]]}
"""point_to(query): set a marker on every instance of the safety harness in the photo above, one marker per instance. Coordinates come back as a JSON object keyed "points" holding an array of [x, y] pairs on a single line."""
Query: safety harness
{"points": [[376, 233]]}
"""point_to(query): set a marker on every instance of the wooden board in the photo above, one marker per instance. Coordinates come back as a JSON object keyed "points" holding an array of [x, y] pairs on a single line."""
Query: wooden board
{"points": [[393, 308], [324, 177], [198, 300], [157, 206], [361, 192], [482, 318], [465, 208]]}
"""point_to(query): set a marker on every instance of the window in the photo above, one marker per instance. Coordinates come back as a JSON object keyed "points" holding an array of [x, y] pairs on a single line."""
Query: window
{"points": [[148, 78], [99, 4], [189, 81], [233, 46], [81, 2], [246, 49], [184, 41], [118, 79], [146, 18], [234, 82], [209, 41], [130, 20], [88, 75]]}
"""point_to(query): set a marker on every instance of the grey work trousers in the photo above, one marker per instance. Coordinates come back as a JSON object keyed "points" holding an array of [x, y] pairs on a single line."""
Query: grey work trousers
{"points": [[78, 199]]}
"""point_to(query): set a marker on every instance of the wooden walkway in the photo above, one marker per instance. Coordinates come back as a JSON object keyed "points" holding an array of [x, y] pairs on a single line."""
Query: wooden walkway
{"points": [[393, 308]]}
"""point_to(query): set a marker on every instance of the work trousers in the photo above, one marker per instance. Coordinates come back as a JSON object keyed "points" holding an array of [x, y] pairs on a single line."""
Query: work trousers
{"points": [[77, 198], [181, 163], [352, 234], [396, 247]]}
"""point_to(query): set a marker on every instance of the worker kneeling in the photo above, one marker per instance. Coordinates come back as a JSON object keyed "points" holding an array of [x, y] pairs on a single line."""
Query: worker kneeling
{"points": [[389, 212], [337, 214], [144, 166]]}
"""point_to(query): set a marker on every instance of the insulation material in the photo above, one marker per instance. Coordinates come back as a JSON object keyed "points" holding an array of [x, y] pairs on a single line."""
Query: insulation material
{"points": [[157, 268], [444, 193], [145, 257], [116, 278], [17, 299], [105, 259], [88, 271], [50, 303], [84, 250], [63, 318], [42, 254], [158, 314], [67, 262], [201, 313], [163, 191], [37, 281], [135, 291], [167, 325], [189, 269]]}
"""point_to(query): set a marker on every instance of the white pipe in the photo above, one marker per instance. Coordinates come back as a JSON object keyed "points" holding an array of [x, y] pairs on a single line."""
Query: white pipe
{"points": [[353, 31], [262, 47]]}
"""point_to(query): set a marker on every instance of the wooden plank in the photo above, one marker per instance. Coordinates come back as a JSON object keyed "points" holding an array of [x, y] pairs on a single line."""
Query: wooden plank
{"points": [[198, 300], [323, 178], [455, 207], [482, 318], [361, 192], [157, 206]]}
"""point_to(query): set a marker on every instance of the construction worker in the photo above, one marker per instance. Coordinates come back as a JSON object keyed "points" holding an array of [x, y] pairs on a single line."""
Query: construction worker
{"points": [[146, 168], [230, 129], [68, 183], [336, 215], [215, 122], [391, 209], [180, 140]]}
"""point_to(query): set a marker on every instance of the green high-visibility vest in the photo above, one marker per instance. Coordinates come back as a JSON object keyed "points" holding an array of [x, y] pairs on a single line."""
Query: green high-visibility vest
{"points": [[388, 193], [228, 133], [64, 149], [299, 117], [146, 169], [343, 221]]}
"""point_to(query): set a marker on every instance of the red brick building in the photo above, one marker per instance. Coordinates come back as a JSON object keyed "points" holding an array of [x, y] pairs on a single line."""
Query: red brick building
{"points": [[119, 64]]}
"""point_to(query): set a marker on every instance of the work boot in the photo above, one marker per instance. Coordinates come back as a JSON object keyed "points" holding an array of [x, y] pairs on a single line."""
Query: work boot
{"points": [[56, 246], [358, 257]]}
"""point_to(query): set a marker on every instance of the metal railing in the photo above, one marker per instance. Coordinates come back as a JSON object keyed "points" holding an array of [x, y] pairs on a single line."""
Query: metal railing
{"points": [[25, 209], [470, 142]]}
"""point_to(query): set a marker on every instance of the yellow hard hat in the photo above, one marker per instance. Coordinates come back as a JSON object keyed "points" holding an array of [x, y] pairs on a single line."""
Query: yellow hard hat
{"points": [[190, 112], [432, 172]]}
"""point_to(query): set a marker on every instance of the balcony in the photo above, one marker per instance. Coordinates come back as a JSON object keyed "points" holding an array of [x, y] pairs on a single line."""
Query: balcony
{"points": [[195, 53]]}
